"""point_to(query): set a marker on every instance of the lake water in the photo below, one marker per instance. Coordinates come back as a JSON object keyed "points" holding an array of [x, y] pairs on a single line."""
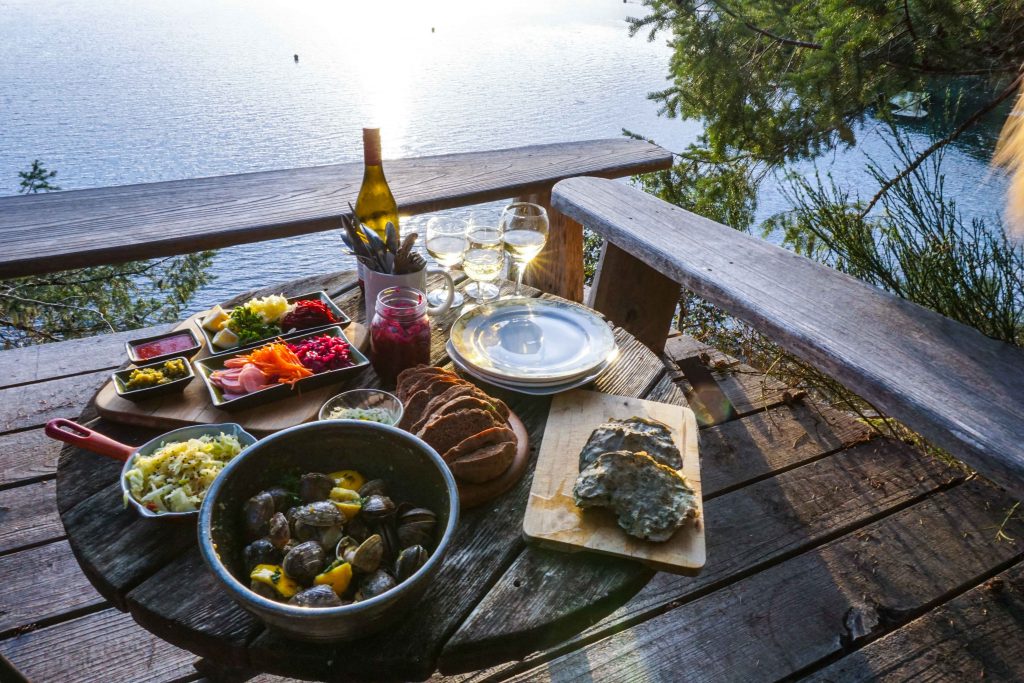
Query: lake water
{"points": [[112, 92]]}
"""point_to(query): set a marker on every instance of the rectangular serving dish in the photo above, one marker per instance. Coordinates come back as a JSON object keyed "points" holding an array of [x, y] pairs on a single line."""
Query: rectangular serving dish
{"points": [[187, 354], [205, 366], [174, 386], [316, 296]]}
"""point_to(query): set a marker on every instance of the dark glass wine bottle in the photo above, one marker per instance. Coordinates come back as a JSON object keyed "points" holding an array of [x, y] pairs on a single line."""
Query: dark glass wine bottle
{"points": [[375, 206]]}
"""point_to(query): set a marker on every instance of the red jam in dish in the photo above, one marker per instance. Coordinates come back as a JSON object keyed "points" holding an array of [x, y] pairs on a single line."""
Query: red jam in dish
{"points": [[176, 343]]}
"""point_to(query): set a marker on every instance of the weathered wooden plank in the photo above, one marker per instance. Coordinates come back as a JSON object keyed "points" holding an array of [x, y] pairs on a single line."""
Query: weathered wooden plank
{"points": [[184, 596], [736, 453], [633, 295], [41, 584], [102, 647], [34, 404], [56, 231], [27, 455], [74, 357], [84, 473], [975, 636], [117, 548], [947, 381], [558, 268], [710, 404], [786, 618], [634, 372], [682, 346], [747, 529], [28, 515]]}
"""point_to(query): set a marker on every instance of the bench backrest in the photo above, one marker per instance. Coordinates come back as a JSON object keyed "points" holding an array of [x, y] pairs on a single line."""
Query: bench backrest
{"points": [[48, 232]]}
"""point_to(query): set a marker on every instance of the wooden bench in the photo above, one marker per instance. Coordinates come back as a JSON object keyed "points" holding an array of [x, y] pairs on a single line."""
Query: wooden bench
{"points": [[961, 390]]}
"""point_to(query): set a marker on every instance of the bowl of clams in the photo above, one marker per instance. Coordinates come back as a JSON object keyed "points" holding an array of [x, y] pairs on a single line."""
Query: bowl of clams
{"points": [[330, 530]]}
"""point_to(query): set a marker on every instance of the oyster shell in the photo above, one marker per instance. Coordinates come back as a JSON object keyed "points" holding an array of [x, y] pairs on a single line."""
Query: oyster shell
{"points": [[650, 500], [633, 434]]}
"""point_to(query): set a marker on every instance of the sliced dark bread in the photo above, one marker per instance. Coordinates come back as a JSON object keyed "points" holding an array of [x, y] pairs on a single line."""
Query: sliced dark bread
{"points": [[483, 438], [406, 378], [452, 392], [485, 463], [461, 402], [446, 431], [417, 402]]}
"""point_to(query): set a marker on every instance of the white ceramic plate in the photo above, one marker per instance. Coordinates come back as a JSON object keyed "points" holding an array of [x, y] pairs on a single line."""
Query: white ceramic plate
{"points": [[533, 341], [529, 389]]}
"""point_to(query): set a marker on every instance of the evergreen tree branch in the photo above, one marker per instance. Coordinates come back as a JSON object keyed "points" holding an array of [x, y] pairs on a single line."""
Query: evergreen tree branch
{"points": [[765, 32]]}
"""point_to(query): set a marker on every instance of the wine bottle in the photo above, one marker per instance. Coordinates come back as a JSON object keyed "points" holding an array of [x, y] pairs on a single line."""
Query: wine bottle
{"points": [[375, 206]]}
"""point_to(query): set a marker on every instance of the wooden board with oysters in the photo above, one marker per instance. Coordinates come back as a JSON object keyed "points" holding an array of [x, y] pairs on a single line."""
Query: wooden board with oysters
{"points": [[619, 476], [483, 442]]}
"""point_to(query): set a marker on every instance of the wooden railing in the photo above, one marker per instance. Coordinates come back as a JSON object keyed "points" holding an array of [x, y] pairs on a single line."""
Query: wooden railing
{"points": [[958, 388], [49, 232]]}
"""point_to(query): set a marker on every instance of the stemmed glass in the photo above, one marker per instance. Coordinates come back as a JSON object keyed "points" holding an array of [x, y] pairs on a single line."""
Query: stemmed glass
{"points": [[525, 227], [446, 242], [484, 262]]}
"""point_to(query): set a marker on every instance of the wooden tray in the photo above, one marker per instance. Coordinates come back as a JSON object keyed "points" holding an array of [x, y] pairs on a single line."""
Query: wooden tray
{"points": [[193, 406], [552, 518]]}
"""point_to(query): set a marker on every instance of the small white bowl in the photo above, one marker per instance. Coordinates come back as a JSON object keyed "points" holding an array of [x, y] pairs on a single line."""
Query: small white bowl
{"points": [[365, 399]]}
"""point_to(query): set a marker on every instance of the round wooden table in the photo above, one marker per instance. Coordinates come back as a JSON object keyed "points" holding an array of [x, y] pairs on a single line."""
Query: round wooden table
{"points": [[494, 600]]}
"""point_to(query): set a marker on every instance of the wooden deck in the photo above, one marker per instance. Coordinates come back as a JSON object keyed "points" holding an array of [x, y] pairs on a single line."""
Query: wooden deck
{"points": [[831, 555]]}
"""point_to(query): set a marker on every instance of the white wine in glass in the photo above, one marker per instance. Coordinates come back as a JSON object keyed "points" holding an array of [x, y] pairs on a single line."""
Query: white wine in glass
{"points": [[484, 262], [446, 241], [525, 229]]}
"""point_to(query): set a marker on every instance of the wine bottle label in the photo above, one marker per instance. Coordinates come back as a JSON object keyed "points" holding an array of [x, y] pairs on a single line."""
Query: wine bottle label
{"points": [[371, 146]]}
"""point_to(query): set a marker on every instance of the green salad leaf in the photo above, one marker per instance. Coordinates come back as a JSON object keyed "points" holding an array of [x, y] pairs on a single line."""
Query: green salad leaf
{"points": [[250, 326]]}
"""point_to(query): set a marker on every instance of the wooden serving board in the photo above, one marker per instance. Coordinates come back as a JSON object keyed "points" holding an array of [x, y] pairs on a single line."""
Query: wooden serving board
{"points": [[193, 405], [552, 518]]}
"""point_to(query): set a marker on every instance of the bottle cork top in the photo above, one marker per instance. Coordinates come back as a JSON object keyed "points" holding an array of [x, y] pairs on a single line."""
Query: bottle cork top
{"points": [[371, 146]]}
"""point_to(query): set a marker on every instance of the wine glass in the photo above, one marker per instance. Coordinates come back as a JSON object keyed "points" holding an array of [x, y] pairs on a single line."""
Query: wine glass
{"points": [[484, 262], [525, 227], [446, 242]]}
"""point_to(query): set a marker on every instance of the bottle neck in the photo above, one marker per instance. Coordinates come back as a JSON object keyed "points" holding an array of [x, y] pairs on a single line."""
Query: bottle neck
{"points": [[371, 147]]}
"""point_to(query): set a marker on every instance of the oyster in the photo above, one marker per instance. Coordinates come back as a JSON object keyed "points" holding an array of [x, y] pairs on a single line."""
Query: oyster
{"points": [[634, 434], [650, 500]]}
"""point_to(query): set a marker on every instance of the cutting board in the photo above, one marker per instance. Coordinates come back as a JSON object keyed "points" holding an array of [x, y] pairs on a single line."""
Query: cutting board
{"points": [[552, 518], [193, 405]]}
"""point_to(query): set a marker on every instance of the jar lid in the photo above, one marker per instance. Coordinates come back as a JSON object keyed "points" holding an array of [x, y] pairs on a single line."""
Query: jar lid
{"points": [[401, 302]]}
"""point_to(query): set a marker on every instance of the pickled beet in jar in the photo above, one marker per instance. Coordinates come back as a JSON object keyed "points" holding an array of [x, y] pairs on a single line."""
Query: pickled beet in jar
{"points": [[399, 332]]}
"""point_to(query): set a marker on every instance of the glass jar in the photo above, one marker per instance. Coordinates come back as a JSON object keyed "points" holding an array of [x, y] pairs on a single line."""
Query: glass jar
{"points": [[399, 332]]}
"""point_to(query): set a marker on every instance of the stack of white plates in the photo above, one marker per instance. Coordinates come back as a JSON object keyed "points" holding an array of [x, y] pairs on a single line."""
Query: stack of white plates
{"points": [[533, 346]]}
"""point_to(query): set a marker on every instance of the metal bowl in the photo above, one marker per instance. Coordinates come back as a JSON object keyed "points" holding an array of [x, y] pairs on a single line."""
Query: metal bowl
{"points": [[364, 398], [414, 472]]}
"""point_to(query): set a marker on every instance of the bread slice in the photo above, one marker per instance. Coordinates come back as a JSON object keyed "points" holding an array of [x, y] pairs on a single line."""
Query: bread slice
{"points": [[461, 402], [483, 438], [485, 463], [452, 391], [432, 386], [446, 431], [407, 377]]}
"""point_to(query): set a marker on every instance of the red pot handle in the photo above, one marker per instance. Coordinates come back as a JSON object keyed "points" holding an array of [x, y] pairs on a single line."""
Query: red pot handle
{"points": [[83, 437]]}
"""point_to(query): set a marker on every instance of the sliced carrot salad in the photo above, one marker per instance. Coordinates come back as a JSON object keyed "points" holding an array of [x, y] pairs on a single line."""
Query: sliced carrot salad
{"points": [[277, 360]]}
